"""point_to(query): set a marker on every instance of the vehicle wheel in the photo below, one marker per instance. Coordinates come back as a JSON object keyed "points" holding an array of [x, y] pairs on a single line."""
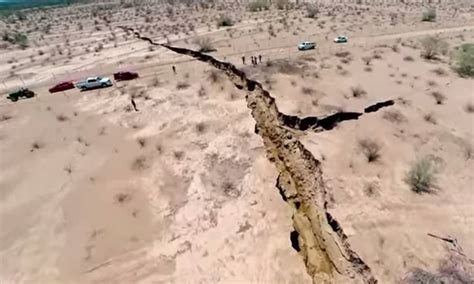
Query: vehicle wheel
{"points": [[14, 99], [104, 85], [83, 89]]}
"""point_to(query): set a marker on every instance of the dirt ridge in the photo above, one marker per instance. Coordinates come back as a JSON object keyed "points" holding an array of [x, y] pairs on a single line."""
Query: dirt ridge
{"points": [[320, 239]]}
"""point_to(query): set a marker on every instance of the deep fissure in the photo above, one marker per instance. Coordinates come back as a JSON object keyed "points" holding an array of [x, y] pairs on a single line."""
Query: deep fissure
{"points": [[317, 236]]}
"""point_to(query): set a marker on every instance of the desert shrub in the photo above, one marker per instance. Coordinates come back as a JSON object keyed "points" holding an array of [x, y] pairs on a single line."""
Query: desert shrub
{"points": [[432, 47], [469, 107], [202, 92], [358, 92], [312, 11], [182, 85], [367, 60], [36, 146], [440, 71], [394, 116], [408, 58], [225, 21], [61, 117], [439, 97], [17, 38], [142, 142], [342, 54], [282, 4], [204, 44], [215, 76], [371, 149], [139, 164], [368, 69], [201, 127], [429, 15], [307, 90], [465, 60], [372, 188], [429, 117], [258, 5], [422, 175]]}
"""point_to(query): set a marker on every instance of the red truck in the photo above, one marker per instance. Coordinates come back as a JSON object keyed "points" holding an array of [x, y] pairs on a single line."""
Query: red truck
{"points": [[125, 75]]}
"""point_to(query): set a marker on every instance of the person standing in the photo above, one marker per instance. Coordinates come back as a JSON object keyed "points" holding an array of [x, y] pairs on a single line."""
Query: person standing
{"points": [[260, 58], [174, 69], [134, 104], [243, 59]]}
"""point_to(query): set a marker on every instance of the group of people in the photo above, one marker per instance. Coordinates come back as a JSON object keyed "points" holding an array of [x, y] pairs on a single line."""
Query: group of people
{"points": [[255, 60]]}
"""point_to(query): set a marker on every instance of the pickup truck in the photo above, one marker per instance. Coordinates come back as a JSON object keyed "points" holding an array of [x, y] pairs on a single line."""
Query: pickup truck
{"points": [[21, 93], [94, 82]]}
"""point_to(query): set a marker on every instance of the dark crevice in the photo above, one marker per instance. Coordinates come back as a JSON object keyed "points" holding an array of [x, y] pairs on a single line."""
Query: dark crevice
{"points": [[294, 240], [300, 180]]}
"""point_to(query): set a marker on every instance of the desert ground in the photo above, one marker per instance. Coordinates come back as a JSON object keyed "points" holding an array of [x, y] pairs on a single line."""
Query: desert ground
{"points": [[185, 191]]}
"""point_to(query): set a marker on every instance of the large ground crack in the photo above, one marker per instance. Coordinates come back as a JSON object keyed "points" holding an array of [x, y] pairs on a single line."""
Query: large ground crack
{"points": [[318, 237]]}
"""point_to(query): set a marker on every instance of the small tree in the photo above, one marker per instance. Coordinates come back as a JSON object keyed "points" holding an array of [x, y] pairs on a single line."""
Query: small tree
{"points": [[429, 15], [312, 11], [465, 60], [282, 4], [432, 47]]}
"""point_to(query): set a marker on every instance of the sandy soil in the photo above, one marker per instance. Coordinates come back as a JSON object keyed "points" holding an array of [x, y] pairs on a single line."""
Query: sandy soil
{"points": [[182, 190]]}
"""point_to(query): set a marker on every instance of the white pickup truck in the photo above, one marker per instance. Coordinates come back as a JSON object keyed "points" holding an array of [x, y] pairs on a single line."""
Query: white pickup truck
{"points": [[94, 82]]}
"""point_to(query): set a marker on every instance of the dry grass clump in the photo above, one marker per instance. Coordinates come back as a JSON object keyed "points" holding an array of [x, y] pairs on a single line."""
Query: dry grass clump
{"points": [[139, 164], [307, 90], [5, 117], [408, 58], [440, 71], [439, 97], [142, 142], [201, 127], [312, 11], [367, 60], [205, 44], [465, 60], [422, 175], [215, 76], [429, 117], [372, 188], [182, 85], [358, 92], [433, 47], [202, 92], [122, 197], [429, 15], [394, 116], [342, 54], [36, 145], [371, 149], [61, 118], [469, 107]]}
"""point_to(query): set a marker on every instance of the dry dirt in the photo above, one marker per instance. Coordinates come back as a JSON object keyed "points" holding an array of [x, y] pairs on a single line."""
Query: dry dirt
{"points": [[184, 190]]}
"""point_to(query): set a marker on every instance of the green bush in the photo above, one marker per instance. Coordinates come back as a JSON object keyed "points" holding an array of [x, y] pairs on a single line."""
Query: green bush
{"points": [[422, 175], [465, 60], [204, 44], [258, 5], [429, 15]]}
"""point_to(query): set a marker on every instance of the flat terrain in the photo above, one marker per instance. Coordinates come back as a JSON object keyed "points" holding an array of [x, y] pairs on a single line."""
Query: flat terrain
{"points": [[181, 191]]}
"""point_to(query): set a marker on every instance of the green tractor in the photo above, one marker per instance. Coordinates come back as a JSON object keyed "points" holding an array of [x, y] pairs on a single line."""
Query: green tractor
{"points": [[21, 93]]}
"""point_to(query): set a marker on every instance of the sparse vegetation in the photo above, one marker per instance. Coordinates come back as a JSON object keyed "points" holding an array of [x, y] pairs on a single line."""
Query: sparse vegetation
{"points": [[371, 149], [36, 145], [258, 5], [429, 117], [422, 175], [367, 60], [16, 38], [440, 71], [372, 188], [429, 15], [433, 47], [438, 96], [408, 58], [182, 85], [142, 142], [358, 92], [469, 107], [225, 21], [139, 164], [122, 197], [465, 60], [61, 118], [215, 76], [312, 11], [204, 44], [394, 116], [201, 127]]}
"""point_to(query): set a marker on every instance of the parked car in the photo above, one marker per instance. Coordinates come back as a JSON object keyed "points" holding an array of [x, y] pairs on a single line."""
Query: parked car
{"points": [[63, 86], [21, 93], [305, 45], [125, 75], [93, 83], [341, 39]]}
